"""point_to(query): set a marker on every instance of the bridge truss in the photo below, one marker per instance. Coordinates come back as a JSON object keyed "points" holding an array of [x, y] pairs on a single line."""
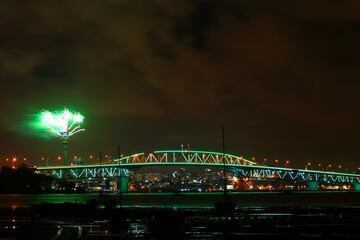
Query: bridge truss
{"points": [[239, 166], [190, 157], [264, 172]]}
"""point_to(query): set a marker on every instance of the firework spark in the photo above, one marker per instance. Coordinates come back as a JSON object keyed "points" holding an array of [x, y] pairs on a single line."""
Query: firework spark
{"points": [[64, 124]]}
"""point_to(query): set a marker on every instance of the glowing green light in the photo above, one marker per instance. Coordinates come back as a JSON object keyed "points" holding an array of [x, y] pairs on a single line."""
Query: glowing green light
{"points": [[64, 124], [78, 118]]}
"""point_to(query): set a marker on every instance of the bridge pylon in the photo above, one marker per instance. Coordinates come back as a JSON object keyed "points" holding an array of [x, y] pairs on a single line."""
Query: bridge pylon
{"points": [[312, 185], [122, 182], [356, 187]]}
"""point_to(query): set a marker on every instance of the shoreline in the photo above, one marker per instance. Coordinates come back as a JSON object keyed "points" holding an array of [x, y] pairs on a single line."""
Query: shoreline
{"points": [[192, 200]]}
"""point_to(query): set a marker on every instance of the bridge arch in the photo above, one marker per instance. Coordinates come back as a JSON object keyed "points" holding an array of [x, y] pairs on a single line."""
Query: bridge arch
{"points": [[189, 157]]}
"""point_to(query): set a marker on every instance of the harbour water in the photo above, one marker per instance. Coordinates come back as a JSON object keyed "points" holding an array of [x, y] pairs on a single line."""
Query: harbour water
{"points": [[195, 200], [299, 215]]}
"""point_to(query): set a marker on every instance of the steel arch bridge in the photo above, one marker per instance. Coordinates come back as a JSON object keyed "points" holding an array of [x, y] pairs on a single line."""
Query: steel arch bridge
{"points": [[189, 157], [239, 166]]}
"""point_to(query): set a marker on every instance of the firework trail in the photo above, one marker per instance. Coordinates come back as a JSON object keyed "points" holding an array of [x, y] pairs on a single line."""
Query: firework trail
{"points": [[64, 124]]}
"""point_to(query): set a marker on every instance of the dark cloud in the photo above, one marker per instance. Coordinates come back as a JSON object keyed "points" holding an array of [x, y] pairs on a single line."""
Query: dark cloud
{"points": [[193, 31], [282, 76]]}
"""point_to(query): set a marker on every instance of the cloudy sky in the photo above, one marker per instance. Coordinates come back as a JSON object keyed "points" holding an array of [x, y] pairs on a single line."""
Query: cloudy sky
{"points": [[281, 76]]}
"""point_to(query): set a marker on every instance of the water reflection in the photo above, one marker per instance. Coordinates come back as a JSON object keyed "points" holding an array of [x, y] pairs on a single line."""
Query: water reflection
{"points": [[334, 223], [183, 217], [196, 200]]}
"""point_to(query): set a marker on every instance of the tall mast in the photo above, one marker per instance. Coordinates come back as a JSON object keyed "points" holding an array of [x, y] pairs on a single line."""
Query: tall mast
{"points": [[224, 162]]}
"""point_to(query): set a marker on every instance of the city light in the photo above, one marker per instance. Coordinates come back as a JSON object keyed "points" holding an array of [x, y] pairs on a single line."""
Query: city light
{"points": [[13, 162]]}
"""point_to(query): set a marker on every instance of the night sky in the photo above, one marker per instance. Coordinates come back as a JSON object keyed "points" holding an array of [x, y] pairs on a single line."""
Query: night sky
{"points": [[282, 77]]}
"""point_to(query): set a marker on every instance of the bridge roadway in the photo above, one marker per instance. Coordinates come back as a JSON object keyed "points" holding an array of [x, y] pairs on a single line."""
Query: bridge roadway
{"points": [[239, 166]]}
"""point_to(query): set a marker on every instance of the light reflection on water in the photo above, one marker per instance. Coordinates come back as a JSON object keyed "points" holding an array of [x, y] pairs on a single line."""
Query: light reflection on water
{"points": [[195, 200], [247, 223]]}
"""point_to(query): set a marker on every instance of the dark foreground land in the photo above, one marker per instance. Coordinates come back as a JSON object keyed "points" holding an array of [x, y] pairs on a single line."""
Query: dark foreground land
{"points": [[104, 219]]}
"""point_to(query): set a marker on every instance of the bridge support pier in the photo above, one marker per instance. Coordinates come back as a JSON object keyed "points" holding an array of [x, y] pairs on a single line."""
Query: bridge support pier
{"points": [[356, 187], [241, 185], [312, 185], [123, 184]]}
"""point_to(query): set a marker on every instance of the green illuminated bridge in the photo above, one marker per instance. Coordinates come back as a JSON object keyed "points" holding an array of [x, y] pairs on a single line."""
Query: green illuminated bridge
{"points": [[239, 166]]}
